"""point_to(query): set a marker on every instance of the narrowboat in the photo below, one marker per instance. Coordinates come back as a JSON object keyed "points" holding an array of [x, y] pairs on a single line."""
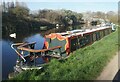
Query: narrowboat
{"points": [[75, 39]]}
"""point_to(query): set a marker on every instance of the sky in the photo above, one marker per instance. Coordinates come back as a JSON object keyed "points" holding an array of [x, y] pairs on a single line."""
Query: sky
{"points": [[64, 0], [74, 6]]}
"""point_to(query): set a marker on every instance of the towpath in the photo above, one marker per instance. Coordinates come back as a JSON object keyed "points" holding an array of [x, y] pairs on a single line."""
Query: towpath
{"points": [[110, 71]]}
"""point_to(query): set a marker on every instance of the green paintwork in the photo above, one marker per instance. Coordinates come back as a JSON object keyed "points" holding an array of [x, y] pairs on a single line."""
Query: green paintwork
{"points": [[56, 42]]}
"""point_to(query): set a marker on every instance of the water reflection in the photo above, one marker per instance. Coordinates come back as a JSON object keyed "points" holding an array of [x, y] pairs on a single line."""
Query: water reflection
{"points": [[62, 29], [8, 58], [74, 27]]}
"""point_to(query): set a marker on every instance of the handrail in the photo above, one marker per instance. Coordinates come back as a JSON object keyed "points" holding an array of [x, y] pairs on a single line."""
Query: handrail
{"points": [[17, 51], [17, 44], [33, 50]]}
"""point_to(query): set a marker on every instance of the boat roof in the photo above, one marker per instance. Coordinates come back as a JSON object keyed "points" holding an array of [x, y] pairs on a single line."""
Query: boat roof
{"points": [[80, 31]]}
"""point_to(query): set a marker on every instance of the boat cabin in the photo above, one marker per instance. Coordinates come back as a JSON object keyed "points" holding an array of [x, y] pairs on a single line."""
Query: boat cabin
{"points": [[75, 39]]}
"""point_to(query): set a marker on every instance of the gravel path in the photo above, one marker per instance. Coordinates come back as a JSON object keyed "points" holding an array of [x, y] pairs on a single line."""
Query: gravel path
{"points": [[110, 70]]}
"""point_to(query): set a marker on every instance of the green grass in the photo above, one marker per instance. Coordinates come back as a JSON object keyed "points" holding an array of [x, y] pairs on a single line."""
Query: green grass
{"points": [[83, 64]]}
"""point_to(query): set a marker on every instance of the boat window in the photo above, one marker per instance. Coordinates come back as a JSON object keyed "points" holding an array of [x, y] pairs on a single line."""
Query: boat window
{"points": [[65, 34]]}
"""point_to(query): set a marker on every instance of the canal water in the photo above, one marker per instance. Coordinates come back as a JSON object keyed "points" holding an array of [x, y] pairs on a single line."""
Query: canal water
{"points": [[8, 54]]}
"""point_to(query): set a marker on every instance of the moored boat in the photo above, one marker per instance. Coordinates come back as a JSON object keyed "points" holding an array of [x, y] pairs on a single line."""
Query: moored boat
{"points": [[75, 39]]}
